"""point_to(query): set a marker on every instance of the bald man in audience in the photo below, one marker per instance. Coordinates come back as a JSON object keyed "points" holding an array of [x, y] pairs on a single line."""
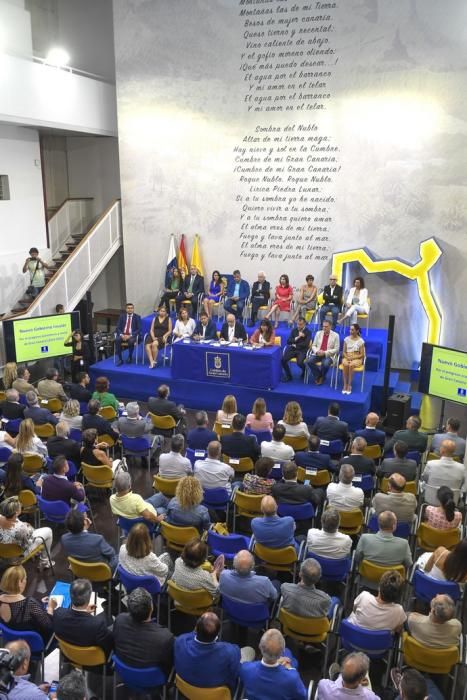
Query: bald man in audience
{"points": [[344, 495], [439, 629], [383, 548], [22, 688], [270, 530], [444, 471], [351, 681], [370, 432], [401, 503], [242, 583]]}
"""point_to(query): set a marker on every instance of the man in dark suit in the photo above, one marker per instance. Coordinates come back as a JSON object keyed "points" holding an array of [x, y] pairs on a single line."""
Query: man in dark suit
{"points": [[370, 432], [192, 285], [237, 293], [289, 491], [360, 463], [56, 486], [330, 427], [60, 444], [233, 330], [332, 300], [312, 458], [399, 464], [160, 405], [237, 444], [78, 625], [80, 391], [38, 415], [11, 408], [297, 346], [260, 294], [415, 440], [200, 437], [128, 331], [205, 328], [86, 546], [92, 419]]}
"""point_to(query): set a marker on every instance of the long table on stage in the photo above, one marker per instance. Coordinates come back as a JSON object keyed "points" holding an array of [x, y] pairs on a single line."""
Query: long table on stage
{"points": [[214, 362]]}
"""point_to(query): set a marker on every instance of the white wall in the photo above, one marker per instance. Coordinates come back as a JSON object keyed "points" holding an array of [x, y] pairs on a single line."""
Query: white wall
{"points": [[55, 170], [108, 291], [93, 170], [22, 218], [15, 28]]}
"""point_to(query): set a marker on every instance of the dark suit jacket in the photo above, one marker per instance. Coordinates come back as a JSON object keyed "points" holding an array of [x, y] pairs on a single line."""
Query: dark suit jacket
{"points": [[361, 464], [331, 428], [89, 547], [333, 296], [372, 437], [240, 332], [294, 494], [64, 446], [199, 438], [406, 467], [143, 644], [82, 628], [79, 392], [12, 410], [57, 489], [211, 330], [164, 407], [265, 292], [135, 324], [102, 426], [299, 343], [414, 439], [240, 445], [313, 460], [198, 284], [40, 416]]}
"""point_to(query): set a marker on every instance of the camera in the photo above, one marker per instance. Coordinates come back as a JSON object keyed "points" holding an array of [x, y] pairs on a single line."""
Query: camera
{"points": [[8, 666]]}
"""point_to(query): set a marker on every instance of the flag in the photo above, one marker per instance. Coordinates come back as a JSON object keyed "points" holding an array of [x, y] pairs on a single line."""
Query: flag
{"points": [[171, 261], [181, 257], [196, 257]]}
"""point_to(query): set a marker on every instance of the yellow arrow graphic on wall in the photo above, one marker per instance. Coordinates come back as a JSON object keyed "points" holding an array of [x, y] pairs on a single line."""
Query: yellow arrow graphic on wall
{"points": [[430, 253]]}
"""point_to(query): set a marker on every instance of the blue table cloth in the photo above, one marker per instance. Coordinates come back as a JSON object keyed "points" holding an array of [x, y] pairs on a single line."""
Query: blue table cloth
{"points": [[225, 364]]}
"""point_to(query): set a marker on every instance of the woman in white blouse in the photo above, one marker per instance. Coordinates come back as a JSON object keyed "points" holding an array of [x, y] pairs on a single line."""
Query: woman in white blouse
{"points": [[353, 356], [136, 555], [27, 441], [185, 326], [293, 421], [356, 302]]}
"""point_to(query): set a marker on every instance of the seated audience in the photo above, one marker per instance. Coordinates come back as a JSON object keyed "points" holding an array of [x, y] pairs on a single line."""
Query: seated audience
{"points": [[440, 628], [11, 408], [413, 685], [92, 419], [72, 686], [352, 680], [70, 414], [137, 557], [80, 391], [14, 480], [444, 471], [383, 610], [205, 329], [360, 463], [139, 641], [274, 677], [21, 383], [276, 448], [289, 491], [416, 441], [56, 487], [329, 542], [131, 505], [50, 387], [38, 415], [293, 421], [86, 546], [79, 624], [61, 444], [237, 444], [27, 442], [399, 463], [264, 336], [212, 473], [233, 330], [303, 598], [259, 482], [382, 547], [173, 465], [134, 425], [445, 516], [184, 325], [189, 572], [103, 395], [451, 433], [445, 565], [345, 496], [370, 432], [229, 409], [15, 531], [201, 436], [161, 405], [186, 509], [244, 584], [270, 530], [330, 427], [22, 612], [259, 420], [401, 503], [313, 458], [23, 688], [92, 451]]}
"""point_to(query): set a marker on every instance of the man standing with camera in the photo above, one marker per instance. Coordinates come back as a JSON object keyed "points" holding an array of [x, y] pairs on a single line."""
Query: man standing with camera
{"points": [[36, 268]]}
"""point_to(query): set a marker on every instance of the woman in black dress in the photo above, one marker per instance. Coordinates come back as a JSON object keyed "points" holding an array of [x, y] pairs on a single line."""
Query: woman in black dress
{"points": [[81, 355], [161, 329]]}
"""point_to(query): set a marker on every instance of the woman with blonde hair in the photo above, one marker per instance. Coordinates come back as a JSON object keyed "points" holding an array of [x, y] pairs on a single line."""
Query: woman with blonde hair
{"points": [[22, 612], [70, 414], [14, 531], [185, 509], [136, 555], [259, 419], [293, 421], [228, 410], [27, 441], [9, 375]]}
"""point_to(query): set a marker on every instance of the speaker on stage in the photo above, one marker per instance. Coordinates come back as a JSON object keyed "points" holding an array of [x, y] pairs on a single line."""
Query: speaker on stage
{"points": [[398, 411]]}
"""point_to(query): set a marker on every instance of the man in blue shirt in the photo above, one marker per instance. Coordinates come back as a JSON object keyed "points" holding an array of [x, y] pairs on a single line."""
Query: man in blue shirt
{"points": [[202, 660], [238, 291], [200, 437], [22, 688], [274, 677], [271, 530], [243, 584]]}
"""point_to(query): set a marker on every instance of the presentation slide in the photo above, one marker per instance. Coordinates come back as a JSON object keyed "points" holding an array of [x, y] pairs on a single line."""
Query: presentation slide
{"points": [[29, 339], [443, 373]]}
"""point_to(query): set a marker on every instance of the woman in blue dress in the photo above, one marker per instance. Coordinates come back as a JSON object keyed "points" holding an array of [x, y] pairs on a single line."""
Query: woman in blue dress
{"points": [[216, 290]]}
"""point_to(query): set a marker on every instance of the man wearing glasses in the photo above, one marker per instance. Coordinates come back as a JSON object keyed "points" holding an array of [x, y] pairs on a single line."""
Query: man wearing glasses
{"points": [[332, 297]]}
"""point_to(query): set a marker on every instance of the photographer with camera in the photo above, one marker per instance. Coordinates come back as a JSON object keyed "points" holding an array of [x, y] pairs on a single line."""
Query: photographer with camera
{"points": [[36, 267], [14, 676]]}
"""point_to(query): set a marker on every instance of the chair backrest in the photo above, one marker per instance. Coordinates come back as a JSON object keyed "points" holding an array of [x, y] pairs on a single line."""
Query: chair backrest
{"points": [[332, 569], [402, 529], [32, 463], [410, 486], [131, 581], [245, 614], [76, 434], [299, 511], [373, 572], [428, 659], [82, 656], [415, 455], [44, 431], [298, 442], [430, 538], [27, 498], [5, 453], [165, 486], [135, 444], [316, 477], [375, 643], [427, 587], [351, 521], [135, 678], [95, 571], [247, 504], [108, 412], [100, 477], [260, 435], [215, 498], [195, 602], [283, 557], [177, 537], [331, 447], [373, 451], [193, 455], [306, 629], [278, 340], [228, 545], [53, 405], [192, 692], [108, 439], [53, 511], [239, 464], [163, 422], [366, 482], [222, 429], [12, 426], [10, 551], [34, 639]]}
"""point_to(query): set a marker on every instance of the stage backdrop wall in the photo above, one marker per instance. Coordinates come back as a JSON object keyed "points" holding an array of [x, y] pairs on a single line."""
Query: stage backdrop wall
{"points": [[282, 131]]}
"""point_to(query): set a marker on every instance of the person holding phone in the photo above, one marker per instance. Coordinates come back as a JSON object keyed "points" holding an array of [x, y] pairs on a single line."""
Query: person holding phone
{"points": [[35, 266]]}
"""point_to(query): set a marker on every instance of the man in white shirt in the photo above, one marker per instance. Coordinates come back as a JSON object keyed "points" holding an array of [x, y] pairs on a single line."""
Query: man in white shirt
{"points": [[276, 448], [211, 472], [443, 472], [345, 496], [172, 465], [329, 542]]}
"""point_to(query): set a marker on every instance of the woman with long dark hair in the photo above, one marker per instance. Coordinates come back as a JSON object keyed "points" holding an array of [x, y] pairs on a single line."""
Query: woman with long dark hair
{"points": [[264, 336], [445, 516], [282, 300], [216, 290]]}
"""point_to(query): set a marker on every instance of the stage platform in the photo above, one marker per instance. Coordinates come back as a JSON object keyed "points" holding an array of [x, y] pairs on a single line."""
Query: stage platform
{"points": [[140, 382]]}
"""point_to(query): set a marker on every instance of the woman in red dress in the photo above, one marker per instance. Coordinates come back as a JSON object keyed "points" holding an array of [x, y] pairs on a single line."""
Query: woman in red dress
{"points": [[283, 299]]}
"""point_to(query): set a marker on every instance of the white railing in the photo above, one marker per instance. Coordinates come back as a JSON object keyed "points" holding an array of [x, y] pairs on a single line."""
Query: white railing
{"points": [[72, 218], [80, 270]]}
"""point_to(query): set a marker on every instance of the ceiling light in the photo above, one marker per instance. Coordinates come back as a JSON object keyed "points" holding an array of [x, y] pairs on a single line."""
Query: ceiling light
{"points": [[57, 57]]}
